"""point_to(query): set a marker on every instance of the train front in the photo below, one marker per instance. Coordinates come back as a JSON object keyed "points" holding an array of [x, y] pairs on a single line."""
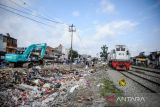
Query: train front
{"points": [[120, 58]]}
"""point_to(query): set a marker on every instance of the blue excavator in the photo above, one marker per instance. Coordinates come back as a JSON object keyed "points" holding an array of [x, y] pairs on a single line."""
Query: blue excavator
{"points": [[26, 58]]}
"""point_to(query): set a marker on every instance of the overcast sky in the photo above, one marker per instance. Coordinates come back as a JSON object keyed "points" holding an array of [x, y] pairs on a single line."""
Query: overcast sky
{"points": [[134, 23]]}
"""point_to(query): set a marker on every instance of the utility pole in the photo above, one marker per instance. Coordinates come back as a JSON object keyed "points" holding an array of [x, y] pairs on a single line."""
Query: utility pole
{"points": [[71, 29]]}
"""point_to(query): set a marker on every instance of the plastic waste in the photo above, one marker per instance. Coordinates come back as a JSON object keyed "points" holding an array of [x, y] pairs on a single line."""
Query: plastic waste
{"points": [[73, 88], [58, 85]]}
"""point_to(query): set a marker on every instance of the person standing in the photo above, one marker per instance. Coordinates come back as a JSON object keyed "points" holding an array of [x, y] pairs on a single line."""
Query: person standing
{"points": [[15, 75], [87, 64]]}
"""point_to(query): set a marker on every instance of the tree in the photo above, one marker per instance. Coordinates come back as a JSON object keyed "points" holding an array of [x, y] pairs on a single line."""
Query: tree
{"points": [[104, 53], [74, 54], [142, 54]]}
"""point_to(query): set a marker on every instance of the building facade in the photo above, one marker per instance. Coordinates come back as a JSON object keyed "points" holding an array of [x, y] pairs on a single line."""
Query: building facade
{"points": [[8, 44], [59, 53], [50, 51], [155, 59], [3, 44]]}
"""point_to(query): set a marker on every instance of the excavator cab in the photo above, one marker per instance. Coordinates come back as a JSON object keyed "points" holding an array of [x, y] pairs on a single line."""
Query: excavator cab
{"points": [[20, 59]]}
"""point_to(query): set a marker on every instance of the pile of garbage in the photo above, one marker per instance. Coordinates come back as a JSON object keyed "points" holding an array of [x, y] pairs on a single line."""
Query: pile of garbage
{"points": [[40, 86]]}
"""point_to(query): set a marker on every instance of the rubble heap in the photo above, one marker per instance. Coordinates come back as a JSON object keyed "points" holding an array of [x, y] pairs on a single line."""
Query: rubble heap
{"points": [[41, 86]]}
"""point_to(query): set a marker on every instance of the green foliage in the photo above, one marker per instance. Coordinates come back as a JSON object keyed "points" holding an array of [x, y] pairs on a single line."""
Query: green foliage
{"points": [[142, 53], [104, 53], [108, 87], [74, 54]]}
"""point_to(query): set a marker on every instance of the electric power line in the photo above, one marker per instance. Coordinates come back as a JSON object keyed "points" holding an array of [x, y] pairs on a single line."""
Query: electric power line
{"points": [[29, 9], [25, 17], [20, 5], [49, 18], [31, 14]]}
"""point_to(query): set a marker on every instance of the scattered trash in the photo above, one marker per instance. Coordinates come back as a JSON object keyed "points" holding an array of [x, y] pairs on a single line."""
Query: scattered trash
{"points": [[46, 85], [50, 98], [58, 85], [73, 88], [38, 67], [37, 81], [39, 86], [100, 84]]}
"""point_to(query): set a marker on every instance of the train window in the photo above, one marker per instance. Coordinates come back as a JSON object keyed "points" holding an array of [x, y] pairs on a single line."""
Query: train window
{"points": [[117, 49], [122, 49]]}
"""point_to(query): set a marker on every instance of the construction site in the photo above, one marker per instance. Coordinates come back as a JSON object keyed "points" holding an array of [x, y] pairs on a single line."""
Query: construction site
{"points": [[37, 76], [54, 85], [100, 53]]}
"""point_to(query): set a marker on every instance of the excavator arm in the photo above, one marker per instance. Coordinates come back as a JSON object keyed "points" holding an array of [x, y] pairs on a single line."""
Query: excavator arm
{"points": [[28, 51], [15, 58]]}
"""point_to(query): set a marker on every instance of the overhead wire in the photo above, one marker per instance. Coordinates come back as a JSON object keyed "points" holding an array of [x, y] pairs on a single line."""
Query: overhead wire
{"points": [[25, 17], [84, 45], [41, 14], [20, 5], [44, 16], [10, 9], [33, 10], [30, 14]]}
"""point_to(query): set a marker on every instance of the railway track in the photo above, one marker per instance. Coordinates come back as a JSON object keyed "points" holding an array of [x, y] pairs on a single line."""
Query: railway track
{"points": [[154, 74], [147, 78], [140, 72], [156, 71]]}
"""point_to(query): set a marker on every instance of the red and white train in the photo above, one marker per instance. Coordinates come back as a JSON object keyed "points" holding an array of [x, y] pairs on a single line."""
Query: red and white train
{"points": [[119, 58]]}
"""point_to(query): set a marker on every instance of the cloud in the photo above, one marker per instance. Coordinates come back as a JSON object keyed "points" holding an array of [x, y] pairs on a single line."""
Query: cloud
{"points": [[76, 13], [105, 34], [28, 32], [106, 6], [114, 28]]}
